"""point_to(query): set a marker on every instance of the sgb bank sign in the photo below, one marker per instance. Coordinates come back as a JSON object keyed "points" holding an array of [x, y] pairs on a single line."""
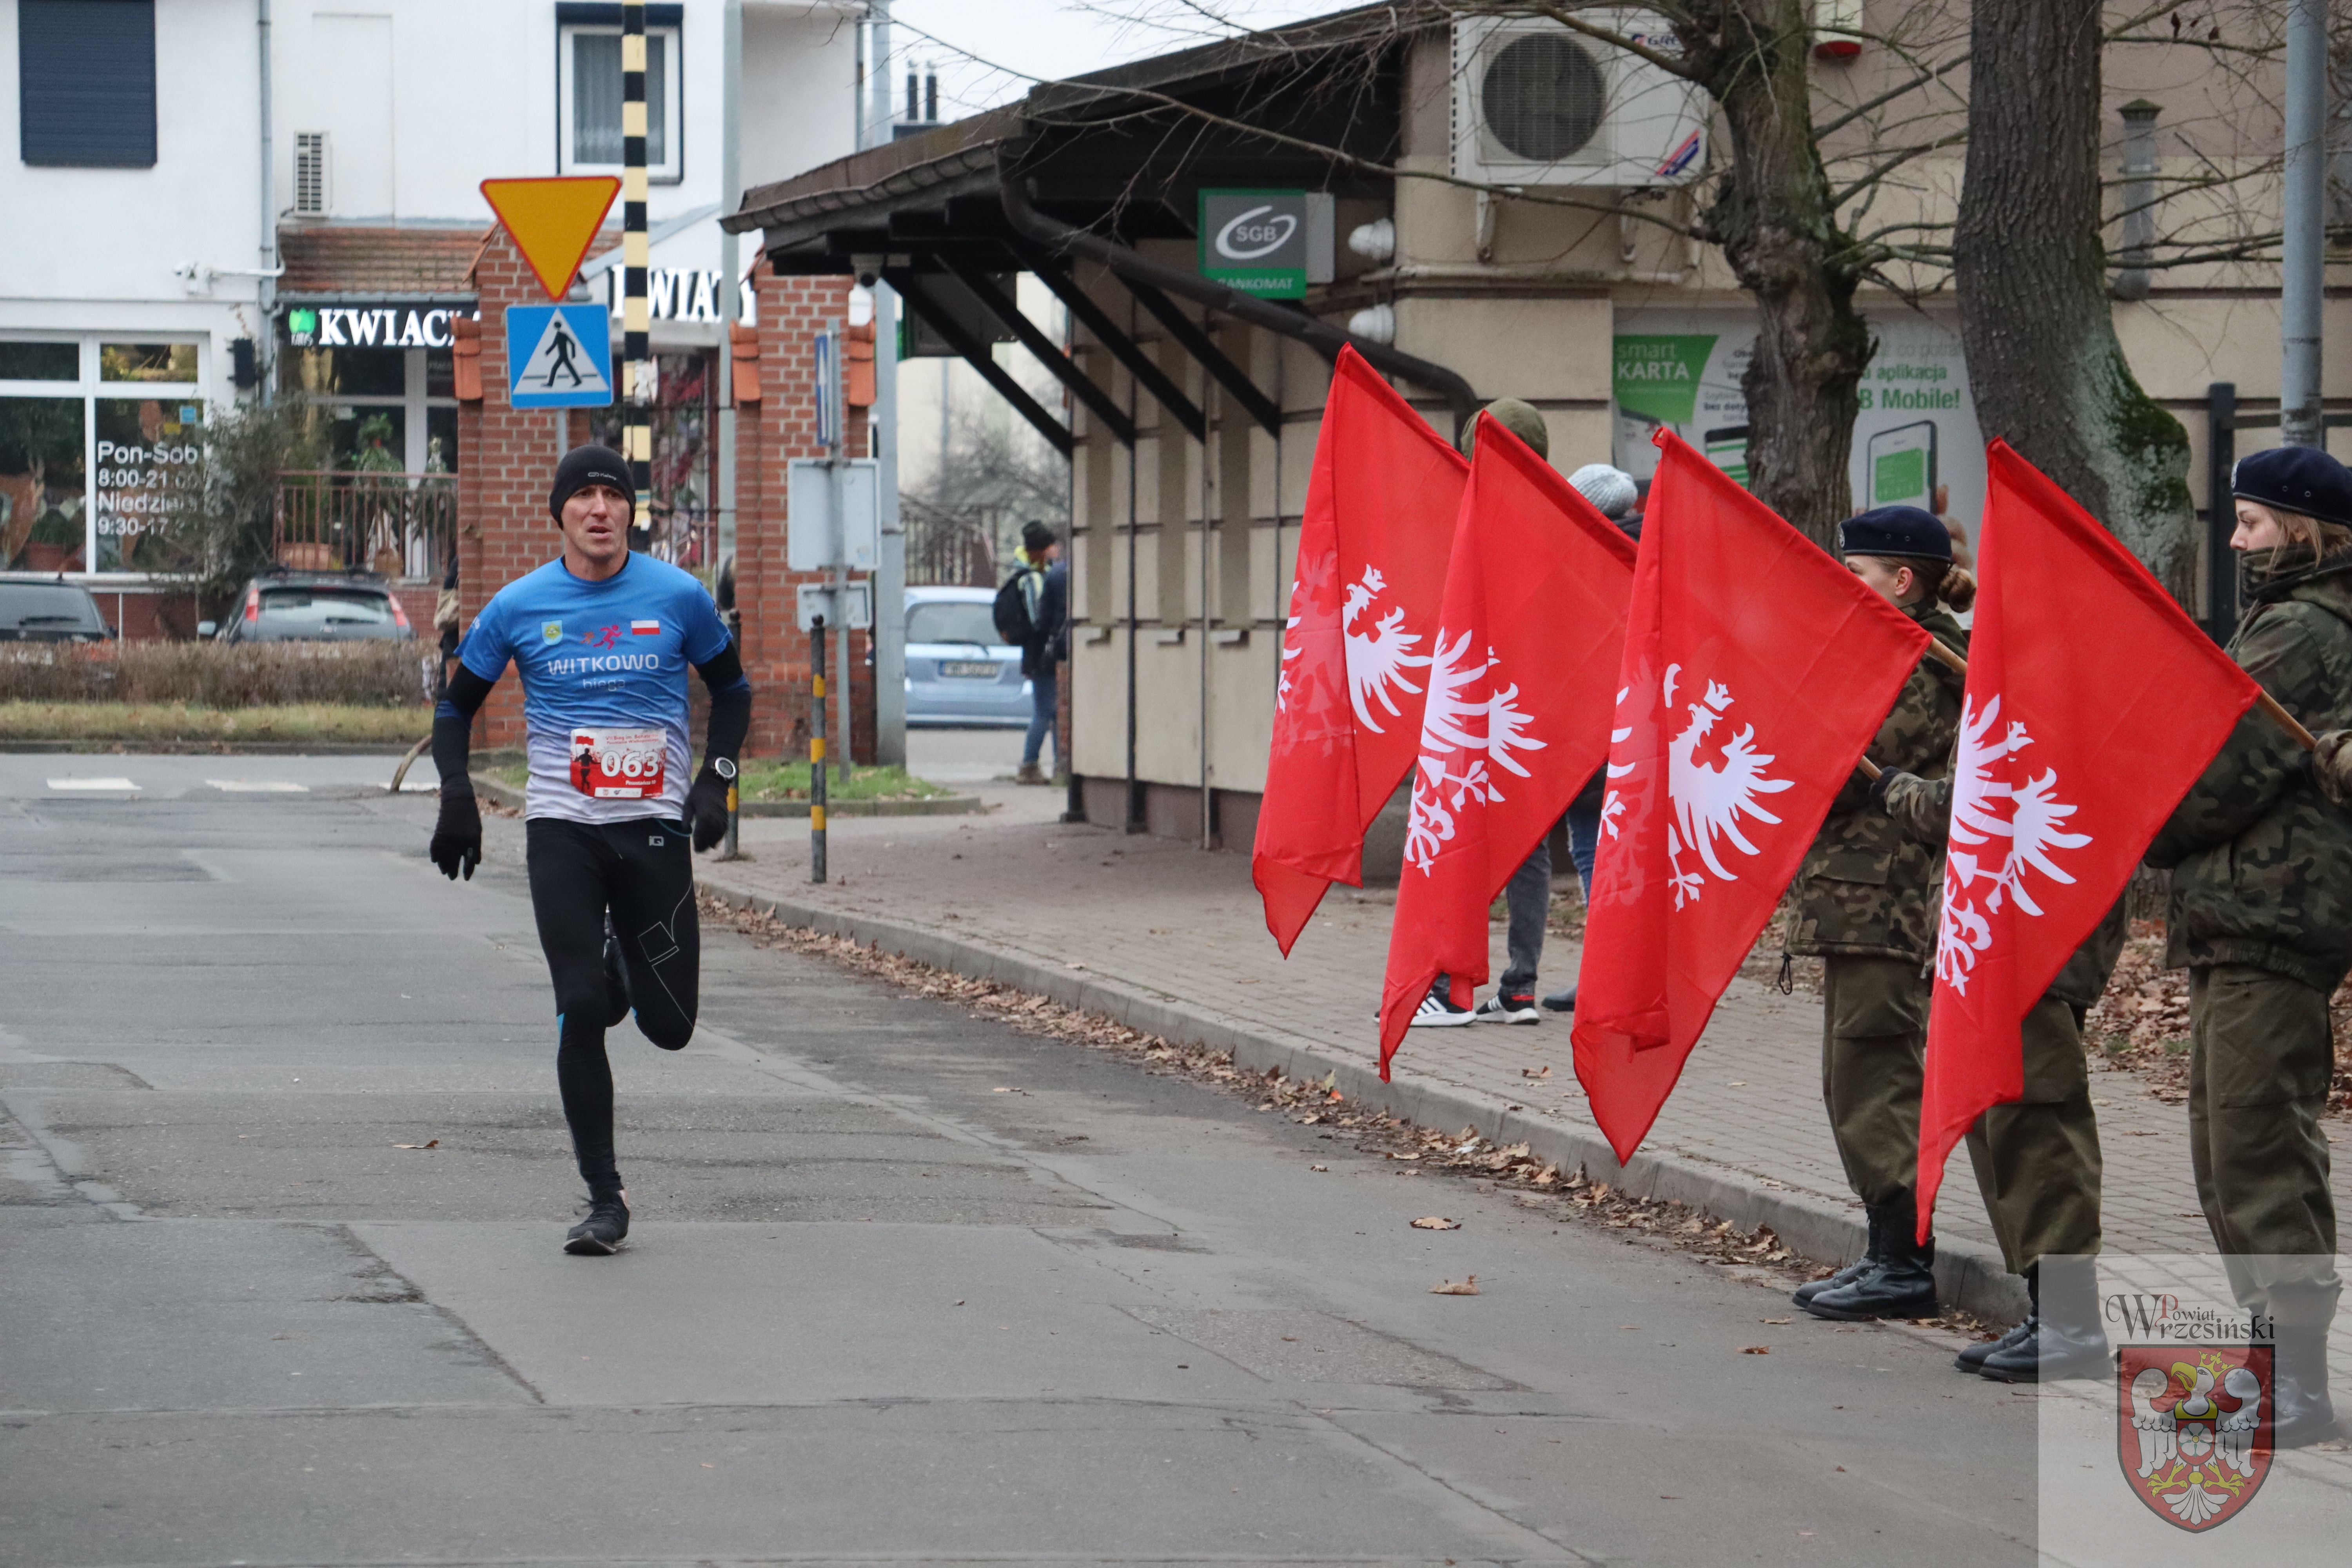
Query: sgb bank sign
{"points": [[1272, 244]]}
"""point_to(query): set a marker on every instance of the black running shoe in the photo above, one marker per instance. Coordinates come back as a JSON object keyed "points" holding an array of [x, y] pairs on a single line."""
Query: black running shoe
{"points": [[617, 1001], [602, 1233]]}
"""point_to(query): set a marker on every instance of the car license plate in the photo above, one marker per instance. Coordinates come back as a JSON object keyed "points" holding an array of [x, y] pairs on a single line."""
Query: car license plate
{"points": [[969, 669]]}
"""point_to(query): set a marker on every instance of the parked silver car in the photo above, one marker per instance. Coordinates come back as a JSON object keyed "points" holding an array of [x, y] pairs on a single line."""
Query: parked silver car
{"points": [[957, 673]]}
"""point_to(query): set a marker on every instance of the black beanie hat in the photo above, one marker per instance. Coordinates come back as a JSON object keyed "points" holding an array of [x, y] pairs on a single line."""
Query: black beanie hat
{"points": [[585, 465], [1901, 530], [2296, 479]]}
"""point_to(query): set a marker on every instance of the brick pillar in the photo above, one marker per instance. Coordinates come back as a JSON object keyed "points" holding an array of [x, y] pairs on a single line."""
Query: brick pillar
{"points": [[775, 651]]}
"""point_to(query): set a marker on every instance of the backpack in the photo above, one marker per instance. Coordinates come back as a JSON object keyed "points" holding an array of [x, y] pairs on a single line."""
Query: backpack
{"points": [[1013, 626]]}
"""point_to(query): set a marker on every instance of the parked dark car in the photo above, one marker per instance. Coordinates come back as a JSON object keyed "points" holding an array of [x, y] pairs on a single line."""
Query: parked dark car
{"points": [[317, 606], [48, 609]]}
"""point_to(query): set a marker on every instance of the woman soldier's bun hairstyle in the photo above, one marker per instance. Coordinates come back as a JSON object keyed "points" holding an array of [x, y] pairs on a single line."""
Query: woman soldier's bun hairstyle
{"points": [[1955, 585]]}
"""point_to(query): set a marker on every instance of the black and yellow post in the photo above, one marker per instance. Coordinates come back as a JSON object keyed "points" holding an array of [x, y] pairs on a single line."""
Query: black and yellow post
{"points": [[636, 257], [816, 749]]}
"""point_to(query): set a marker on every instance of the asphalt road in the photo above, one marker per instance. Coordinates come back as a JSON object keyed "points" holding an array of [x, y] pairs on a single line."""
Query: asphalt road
{"points": [[906, 1286]]}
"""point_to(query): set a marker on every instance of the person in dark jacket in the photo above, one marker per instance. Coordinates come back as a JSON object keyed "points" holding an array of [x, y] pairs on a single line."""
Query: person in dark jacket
{"points": [[1865, 901], [1045, 588], [2262, 917], [2036, 1158]]}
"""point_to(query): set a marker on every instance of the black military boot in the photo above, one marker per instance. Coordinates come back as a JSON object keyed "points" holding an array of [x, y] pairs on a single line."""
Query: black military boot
{"points": [[2062, 1338], [2301, 1413], [1973, 1357], [1870, 1259], [1903, 1285]]}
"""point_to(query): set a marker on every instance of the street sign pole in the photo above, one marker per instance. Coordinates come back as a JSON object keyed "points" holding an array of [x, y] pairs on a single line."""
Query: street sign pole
{"points": [[836, 577], [816, 751], [636, 259]]}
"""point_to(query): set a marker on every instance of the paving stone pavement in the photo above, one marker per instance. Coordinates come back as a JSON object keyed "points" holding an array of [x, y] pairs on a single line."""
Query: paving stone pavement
{"points": [[1163, 917]]}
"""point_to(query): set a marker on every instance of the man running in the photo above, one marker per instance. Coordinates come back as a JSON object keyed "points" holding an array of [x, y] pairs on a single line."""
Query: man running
{"points": [[601, 638]]}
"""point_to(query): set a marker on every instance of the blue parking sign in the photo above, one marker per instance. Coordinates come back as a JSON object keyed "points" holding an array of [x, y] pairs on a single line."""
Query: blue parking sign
{"points": [[559, 356]]}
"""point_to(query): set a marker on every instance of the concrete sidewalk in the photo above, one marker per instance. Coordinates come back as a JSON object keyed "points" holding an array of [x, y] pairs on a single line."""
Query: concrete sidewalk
{"points": [[1168, 939]]}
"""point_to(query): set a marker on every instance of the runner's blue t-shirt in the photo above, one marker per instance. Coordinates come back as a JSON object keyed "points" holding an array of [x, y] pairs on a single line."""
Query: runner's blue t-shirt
{"points": [[604, 669]]}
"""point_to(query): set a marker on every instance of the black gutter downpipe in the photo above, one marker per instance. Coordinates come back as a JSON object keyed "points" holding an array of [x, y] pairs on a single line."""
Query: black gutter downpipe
{"points": [[1323, 338]]}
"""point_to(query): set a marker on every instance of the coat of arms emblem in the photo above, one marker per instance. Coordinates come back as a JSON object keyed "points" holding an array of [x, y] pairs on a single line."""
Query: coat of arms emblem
{"points": [[2193, 1427]]}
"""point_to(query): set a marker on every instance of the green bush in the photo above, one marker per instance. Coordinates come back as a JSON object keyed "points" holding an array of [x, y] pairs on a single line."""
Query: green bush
{"points": [[375, 674]]}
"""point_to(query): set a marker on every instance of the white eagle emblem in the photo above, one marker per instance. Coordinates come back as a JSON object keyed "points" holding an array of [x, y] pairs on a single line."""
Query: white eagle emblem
{"points": [[1461, 730], [1978, 873], [1710, 801], [1379, 655]]}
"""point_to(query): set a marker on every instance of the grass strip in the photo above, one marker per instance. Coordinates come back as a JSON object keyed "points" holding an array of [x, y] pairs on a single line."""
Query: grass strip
{"points": [[790, 781]]}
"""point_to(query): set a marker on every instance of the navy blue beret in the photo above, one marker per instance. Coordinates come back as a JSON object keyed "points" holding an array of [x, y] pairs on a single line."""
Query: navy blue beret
{"points": [[2296, 479], [1896, 531]]}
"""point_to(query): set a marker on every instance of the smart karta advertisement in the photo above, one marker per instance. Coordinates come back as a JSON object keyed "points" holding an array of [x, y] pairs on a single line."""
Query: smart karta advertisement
{"points": [[1915, 440]]}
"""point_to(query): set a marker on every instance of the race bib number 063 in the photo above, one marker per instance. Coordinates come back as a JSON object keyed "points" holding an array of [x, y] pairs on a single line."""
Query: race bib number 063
{"points": [[618, 764]]}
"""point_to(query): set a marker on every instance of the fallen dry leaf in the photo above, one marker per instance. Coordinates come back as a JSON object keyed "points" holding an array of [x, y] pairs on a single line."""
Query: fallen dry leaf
{"points": [[1436, 1222], [435, 1143], [1756, 1350], [1535, 1072], [1319, 1167], [1776, 1320], [1456, 1288]]}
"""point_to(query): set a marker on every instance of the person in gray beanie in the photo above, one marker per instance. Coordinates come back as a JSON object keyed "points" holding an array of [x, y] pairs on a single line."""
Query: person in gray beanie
{"points": [[1615, 496]]}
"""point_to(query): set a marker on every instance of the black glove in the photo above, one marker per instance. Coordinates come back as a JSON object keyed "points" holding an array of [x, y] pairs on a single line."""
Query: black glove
{"points": [[1884, 783], [458, 837], [706, 803]]}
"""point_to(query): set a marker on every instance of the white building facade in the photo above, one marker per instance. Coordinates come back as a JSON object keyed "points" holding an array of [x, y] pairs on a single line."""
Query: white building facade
{"points": [[177, 244]]}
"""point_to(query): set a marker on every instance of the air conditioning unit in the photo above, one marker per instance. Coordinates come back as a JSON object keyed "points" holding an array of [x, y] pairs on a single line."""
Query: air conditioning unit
{"points": [[310, 193], [1536, 104]]}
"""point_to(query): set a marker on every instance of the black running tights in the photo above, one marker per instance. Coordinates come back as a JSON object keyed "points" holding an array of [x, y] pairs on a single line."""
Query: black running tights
{"points": [[642, 873]]}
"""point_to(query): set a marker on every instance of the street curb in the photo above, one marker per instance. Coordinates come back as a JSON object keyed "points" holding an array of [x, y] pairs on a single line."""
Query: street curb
{"points": [[388, 750], [1968, 1276], [940, 805]]}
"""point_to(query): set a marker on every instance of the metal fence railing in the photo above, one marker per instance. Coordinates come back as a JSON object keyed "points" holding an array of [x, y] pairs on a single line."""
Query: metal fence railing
{"points": [[401, 525], [946, 549]]}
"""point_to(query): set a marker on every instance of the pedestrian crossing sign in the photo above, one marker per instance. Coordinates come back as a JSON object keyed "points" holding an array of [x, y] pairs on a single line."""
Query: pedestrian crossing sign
{"points": [[559, 356]]}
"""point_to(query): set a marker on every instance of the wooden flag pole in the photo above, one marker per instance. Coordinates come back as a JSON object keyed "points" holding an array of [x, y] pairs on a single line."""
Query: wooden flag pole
{"points": [[2269, 704]]}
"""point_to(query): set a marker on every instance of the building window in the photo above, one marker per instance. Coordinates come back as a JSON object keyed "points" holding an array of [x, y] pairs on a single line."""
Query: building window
{"points": [[86, 83], [89, 473], [589, 98]]}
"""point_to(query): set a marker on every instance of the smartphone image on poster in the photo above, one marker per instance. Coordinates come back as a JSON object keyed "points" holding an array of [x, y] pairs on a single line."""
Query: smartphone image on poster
{"points": [[1903, 466], [1727, 448]]}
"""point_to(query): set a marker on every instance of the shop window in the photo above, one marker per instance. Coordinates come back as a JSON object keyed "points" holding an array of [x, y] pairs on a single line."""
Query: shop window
{"points": [[150, 451], [40, 362], [86, 83], [589, 91], [41, 484], [147, 361]]}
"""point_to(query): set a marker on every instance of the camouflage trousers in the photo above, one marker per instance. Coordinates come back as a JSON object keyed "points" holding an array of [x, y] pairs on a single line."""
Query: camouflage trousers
{"points": [[2037, 1160], [1873, 1042], [2260, 1056]]}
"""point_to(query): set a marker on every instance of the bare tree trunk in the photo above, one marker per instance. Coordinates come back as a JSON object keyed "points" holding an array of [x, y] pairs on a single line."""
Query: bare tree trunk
{"points": [[2049, 375], [1774, 219]]}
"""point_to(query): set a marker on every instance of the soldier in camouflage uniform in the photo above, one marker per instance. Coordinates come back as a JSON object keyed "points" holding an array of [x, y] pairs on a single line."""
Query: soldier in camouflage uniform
{"points": [[2037, 1157], [2262, 915], [1865, 904]]}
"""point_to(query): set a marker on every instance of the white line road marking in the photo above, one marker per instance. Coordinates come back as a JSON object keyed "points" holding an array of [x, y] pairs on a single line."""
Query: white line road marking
{"points": [[124, 784], [259, 787]]}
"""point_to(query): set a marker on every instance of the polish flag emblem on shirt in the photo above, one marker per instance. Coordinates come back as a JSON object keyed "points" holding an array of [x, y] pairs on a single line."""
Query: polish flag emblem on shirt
{"points": [[644, 628]]}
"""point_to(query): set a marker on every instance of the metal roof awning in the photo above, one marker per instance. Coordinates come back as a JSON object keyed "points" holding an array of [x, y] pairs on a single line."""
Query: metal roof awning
{"points": [[1087, 170]]}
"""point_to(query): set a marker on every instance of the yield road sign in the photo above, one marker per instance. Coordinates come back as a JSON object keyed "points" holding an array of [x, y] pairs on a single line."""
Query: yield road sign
{"points": [[559, 356], [553, 221]]}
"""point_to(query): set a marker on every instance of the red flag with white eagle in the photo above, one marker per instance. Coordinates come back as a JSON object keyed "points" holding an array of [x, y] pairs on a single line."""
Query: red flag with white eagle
{"points": [[2072, 752], [1380, 506], [1757, 669], [1522, 678]]}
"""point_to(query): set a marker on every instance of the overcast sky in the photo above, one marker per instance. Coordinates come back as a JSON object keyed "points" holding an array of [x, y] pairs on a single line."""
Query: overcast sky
{"points": [[991, 51]]}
